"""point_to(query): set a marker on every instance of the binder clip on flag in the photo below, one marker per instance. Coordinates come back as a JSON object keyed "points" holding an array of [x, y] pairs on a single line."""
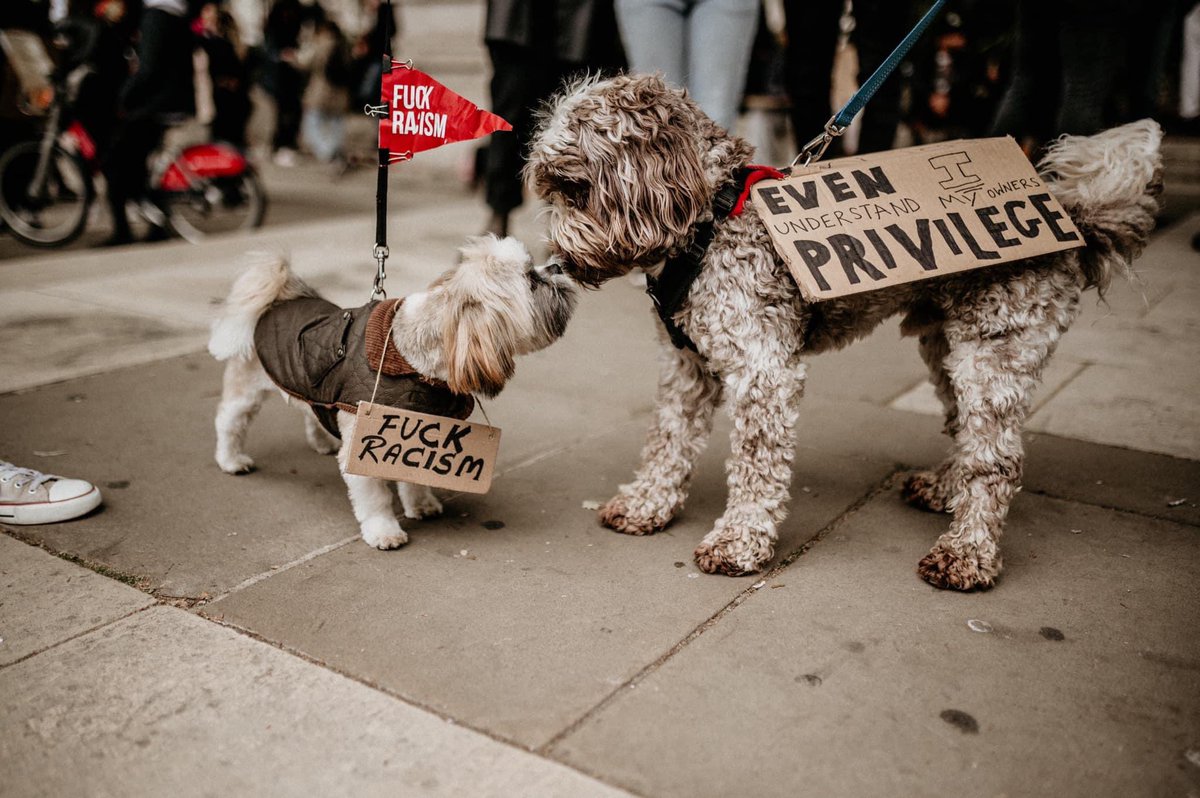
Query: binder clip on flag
{"points": [[417, 113]]}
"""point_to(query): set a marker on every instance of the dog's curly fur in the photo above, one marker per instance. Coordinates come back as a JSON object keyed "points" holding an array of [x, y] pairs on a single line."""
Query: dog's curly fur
{"points": [[628, 165], [466, 330]]}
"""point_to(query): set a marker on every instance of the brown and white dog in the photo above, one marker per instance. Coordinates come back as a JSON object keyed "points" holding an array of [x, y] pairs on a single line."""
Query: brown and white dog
{"points": [[630, 166], [458, 337]]}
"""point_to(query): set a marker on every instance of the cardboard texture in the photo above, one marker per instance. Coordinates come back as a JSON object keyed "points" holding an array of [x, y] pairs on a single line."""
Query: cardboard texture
{"points": [[869, 222], [404, 446]]}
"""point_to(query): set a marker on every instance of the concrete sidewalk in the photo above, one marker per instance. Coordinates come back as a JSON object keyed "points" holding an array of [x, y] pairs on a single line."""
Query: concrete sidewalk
{"points": [[203, 634], [514, 646]]}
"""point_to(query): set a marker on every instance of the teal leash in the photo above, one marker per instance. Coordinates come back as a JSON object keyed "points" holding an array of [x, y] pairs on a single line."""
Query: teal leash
{"points": [[838, 123]]}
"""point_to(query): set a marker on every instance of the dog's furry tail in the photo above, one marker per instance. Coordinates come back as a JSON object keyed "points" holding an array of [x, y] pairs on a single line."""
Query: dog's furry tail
{"points": [[1109, 184], [267, 279]]}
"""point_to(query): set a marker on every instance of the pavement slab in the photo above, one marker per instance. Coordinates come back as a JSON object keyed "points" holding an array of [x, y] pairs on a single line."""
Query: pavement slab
{"points": [[165, 702], [516, 612], [846, 675], [45, 600], [1148, 407], [170, 516]]}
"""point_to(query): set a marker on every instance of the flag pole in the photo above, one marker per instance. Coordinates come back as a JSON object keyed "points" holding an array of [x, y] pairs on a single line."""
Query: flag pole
{"points": [[381, 182]]}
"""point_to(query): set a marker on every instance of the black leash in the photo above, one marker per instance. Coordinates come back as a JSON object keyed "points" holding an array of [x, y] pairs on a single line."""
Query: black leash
{"points": [[381, 181]]}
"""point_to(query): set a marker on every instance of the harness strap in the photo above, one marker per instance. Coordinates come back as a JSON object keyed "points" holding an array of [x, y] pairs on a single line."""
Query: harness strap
{"points": [[670, 288]]}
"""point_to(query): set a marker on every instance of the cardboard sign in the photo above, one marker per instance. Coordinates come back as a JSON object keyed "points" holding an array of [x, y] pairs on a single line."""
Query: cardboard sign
{"points": [[405, 446], [865, 223]]}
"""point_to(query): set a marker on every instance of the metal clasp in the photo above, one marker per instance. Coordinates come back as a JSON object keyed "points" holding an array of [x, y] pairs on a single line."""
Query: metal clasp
{"points": [[377, 111], [381, 255], [815, 148]]}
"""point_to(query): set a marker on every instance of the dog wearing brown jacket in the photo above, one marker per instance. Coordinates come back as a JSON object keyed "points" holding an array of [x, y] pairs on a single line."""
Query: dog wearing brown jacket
{"points": [[429, 352]]}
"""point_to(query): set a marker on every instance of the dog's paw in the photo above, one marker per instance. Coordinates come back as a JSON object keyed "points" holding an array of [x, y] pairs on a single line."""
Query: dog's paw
{"points": [[950, 570], [923, 491], [629, 516], [384, 533], [424, 505], [734, 552], [236, 464], [320, 446]]}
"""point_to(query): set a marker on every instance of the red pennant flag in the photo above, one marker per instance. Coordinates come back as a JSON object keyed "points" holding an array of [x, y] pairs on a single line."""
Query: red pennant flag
{"points": [[423, 114]]}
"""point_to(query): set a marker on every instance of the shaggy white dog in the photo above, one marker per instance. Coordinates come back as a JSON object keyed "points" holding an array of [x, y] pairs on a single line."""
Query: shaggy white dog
{"points": [[437, 347], [630, 168]]}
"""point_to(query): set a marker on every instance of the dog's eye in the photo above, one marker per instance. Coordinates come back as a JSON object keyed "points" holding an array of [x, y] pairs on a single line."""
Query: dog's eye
{"points": [[574, 192]]}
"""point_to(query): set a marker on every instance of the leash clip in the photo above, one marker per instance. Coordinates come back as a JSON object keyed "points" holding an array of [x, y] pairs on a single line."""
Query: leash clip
{"points": [[815, 148], [381, 254]]}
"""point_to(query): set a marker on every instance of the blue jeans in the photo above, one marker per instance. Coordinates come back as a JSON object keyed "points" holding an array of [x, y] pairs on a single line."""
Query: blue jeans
{"points": [[324, 133], [701, 45]]}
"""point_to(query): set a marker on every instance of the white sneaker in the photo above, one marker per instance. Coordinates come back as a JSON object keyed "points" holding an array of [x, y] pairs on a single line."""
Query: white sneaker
{"points": [[285, 157], [31, 497]]}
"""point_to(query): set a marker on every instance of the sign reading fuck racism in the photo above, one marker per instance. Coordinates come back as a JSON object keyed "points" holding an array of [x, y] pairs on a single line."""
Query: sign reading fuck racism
{"points": [[865, 223]]}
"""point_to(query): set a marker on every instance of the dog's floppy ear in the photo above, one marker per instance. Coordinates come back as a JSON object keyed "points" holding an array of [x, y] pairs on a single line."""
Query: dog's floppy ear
{"points": [[482, 330], [478, 355]]}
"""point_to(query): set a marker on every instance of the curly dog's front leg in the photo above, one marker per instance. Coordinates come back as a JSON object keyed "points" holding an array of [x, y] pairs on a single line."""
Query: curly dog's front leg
{"points": [[763, 404], [687, 396]]}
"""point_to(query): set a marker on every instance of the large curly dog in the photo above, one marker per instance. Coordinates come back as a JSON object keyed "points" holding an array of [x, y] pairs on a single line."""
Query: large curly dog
{"points": [[630, 168]]}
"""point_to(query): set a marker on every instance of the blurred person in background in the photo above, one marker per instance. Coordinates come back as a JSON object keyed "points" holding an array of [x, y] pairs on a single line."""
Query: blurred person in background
{"points": [[1189, 73], [159, 93], [701, 45], [368, 49], [27, 23], [1081, 66], [959, 71], [228, 73], [282, 77], [326, 59], [534, 45], [813, 29]]}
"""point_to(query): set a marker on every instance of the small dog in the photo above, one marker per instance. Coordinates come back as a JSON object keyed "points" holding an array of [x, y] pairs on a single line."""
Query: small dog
{"points": [[458, 337], [630, 167]]}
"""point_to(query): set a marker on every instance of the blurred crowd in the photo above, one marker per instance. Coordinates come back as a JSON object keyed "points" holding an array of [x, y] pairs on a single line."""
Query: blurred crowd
{"points": [[773, 70]]}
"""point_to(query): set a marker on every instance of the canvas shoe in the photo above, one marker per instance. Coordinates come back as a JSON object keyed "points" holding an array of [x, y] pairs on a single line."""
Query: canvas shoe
{"points": [[31, 497]]}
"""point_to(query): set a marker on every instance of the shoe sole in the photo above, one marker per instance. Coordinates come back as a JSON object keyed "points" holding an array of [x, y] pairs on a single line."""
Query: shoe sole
{"points": [[50, 512]]}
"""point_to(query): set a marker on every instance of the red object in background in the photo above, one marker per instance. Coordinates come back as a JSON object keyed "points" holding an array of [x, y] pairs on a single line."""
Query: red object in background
{"points": [[203, 160], [83, 142], [423, 114]]}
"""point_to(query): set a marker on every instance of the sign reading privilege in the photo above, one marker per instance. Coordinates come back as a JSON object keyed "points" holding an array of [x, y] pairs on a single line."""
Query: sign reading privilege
{"points": [[864, 223]]}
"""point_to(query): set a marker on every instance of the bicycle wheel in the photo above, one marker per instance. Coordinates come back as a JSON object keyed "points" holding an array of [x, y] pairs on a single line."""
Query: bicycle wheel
{"points": [[57, 213], [214, 205]]}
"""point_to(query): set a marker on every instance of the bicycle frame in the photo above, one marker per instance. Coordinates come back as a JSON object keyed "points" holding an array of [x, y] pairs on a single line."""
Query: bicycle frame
{"points": [[64, 92]]}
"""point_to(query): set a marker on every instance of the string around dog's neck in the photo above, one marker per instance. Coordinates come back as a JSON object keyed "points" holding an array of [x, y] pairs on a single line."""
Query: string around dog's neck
{"points": [[400, 361], [670, 287]]}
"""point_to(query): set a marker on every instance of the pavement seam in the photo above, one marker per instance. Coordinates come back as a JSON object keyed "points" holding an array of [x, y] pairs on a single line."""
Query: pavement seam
{"points": [[140, 583], [1114, 509], [153, 360], [87, 631], [1045, 400], [534, 459], [885, 485], [170, 319], [453, 721], [279, 569]]}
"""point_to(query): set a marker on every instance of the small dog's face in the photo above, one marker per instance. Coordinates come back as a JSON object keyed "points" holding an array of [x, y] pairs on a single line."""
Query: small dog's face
{"points": [[621, 163], [492, 307]]}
